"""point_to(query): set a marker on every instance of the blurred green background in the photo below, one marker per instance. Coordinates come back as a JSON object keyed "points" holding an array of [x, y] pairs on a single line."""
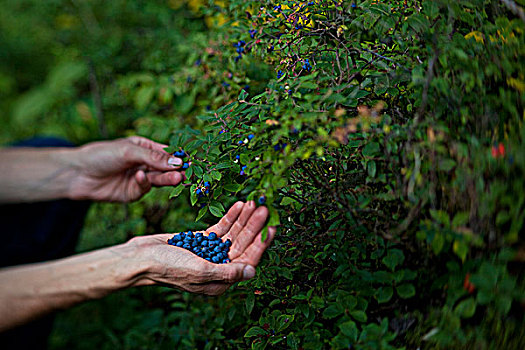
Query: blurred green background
{"points": [[84, 71]]}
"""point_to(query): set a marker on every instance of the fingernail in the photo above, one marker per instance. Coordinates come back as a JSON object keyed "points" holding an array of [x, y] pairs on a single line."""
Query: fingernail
{"points": [[248, 272], [174, 161]]}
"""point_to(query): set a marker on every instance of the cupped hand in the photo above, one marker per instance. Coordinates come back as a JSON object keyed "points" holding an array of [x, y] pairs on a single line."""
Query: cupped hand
{"points": [[123, 170], [179, 268]]}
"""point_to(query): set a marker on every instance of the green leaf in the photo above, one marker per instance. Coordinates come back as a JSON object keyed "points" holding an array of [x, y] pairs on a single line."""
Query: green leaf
{"points": [[332, 311], [466, 308], [254, 331], [176, 191], [193, 195], [244, 158], [249, 303], [202, 212], [274, 217], [189, 172], [349, 329], [232, 187], [359, 316], [460, 219], [308, 85], [288, 201], [216, 175], [283, 322], [371, 168], [384, 294], [440, 216], [503, 304], [393, 258], [437, 243], [484, 296], [406, 290], [197, 170], [460, 248], [144, 96], [371, 149], [224, 165], [215, 210]]}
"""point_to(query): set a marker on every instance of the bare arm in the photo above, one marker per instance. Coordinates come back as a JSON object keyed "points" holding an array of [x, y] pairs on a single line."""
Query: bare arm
{"points": [[30, 291], [29, 174]]}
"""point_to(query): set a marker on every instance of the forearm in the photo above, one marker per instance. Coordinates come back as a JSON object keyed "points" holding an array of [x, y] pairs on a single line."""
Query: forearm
{"points": [[30, 291], [29, 175]]}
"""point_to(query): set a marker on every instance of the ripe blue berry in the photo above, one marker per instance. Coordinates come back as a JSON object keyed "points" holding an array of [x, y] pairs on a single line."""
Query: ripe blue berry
{"points": [[262, 199], [210, 248]]}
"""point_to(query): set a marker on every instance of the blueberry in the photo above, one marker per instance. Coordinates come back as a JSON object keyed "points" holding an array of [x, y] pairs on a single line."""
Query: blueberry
{"points": [[204, 243], [186, 246], [212, 236], [208, 259], [237, 157], [179, 244], [215, 259], [206, 184], [177, 238], [185, 166], [228, 243], [198, 234], [190, 234], [251, 136], [262, 199], [198, 191]]}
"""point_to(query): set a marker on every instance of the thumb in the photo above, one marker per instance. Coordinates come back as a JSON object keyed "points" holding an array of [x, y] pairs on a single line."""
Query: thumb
{"points": [[143, 182], [153, 158], [235, 272]]}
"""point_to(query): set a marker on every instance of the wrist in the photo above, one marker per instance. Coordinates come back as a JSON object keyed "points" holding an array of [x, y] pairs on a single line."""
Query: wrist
{"points": [[136, 261]]}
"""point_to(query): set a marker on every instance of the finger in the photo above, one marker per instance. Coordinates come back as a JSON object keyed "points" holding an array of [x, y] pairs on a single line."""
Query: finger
{"points": [[170, 178], [147, 143], [224, 225], [254, 225], [232, 272], [153, 159], [252, 255], [243, 218], [143, 184]]}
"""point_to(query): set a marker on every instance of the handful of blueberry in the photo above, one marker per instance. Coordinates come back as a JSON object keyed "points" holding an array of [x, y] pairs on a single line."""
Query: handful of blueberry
{"points": [[210, 247]]}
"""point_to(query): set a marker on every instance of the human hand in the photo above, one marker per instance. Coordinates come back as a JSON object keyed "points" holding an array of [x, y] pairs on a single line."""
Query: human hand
{"points": [[123, 170], [179, 268]]}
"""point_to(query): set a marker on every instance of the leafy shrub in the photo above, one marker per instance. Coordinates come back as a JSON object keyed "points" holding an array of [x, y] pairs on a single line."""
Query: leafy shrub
{"points": [[386, 138]]}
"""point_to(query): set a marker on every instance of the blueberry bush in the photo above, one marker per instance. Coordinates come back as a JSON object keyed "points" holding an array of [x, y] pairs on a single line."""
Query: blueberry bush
{"points": [[385, 137]]}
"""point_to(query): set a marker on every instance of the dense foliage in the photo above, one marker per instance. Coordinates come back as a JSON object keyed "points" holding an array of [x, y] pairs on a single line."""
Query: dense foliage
{"points": [[386, 138]]}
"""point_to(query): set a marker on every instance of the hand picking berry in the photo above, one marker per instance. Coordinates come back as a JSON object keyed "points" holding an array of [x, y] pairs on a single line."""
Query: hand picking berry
{"points": [[210, 248]]}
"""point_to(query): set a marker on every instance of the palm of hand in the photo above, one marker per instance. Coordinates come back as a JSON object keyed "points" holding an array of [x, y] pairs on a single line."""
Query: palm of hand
{"points": [[242, 225]]}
